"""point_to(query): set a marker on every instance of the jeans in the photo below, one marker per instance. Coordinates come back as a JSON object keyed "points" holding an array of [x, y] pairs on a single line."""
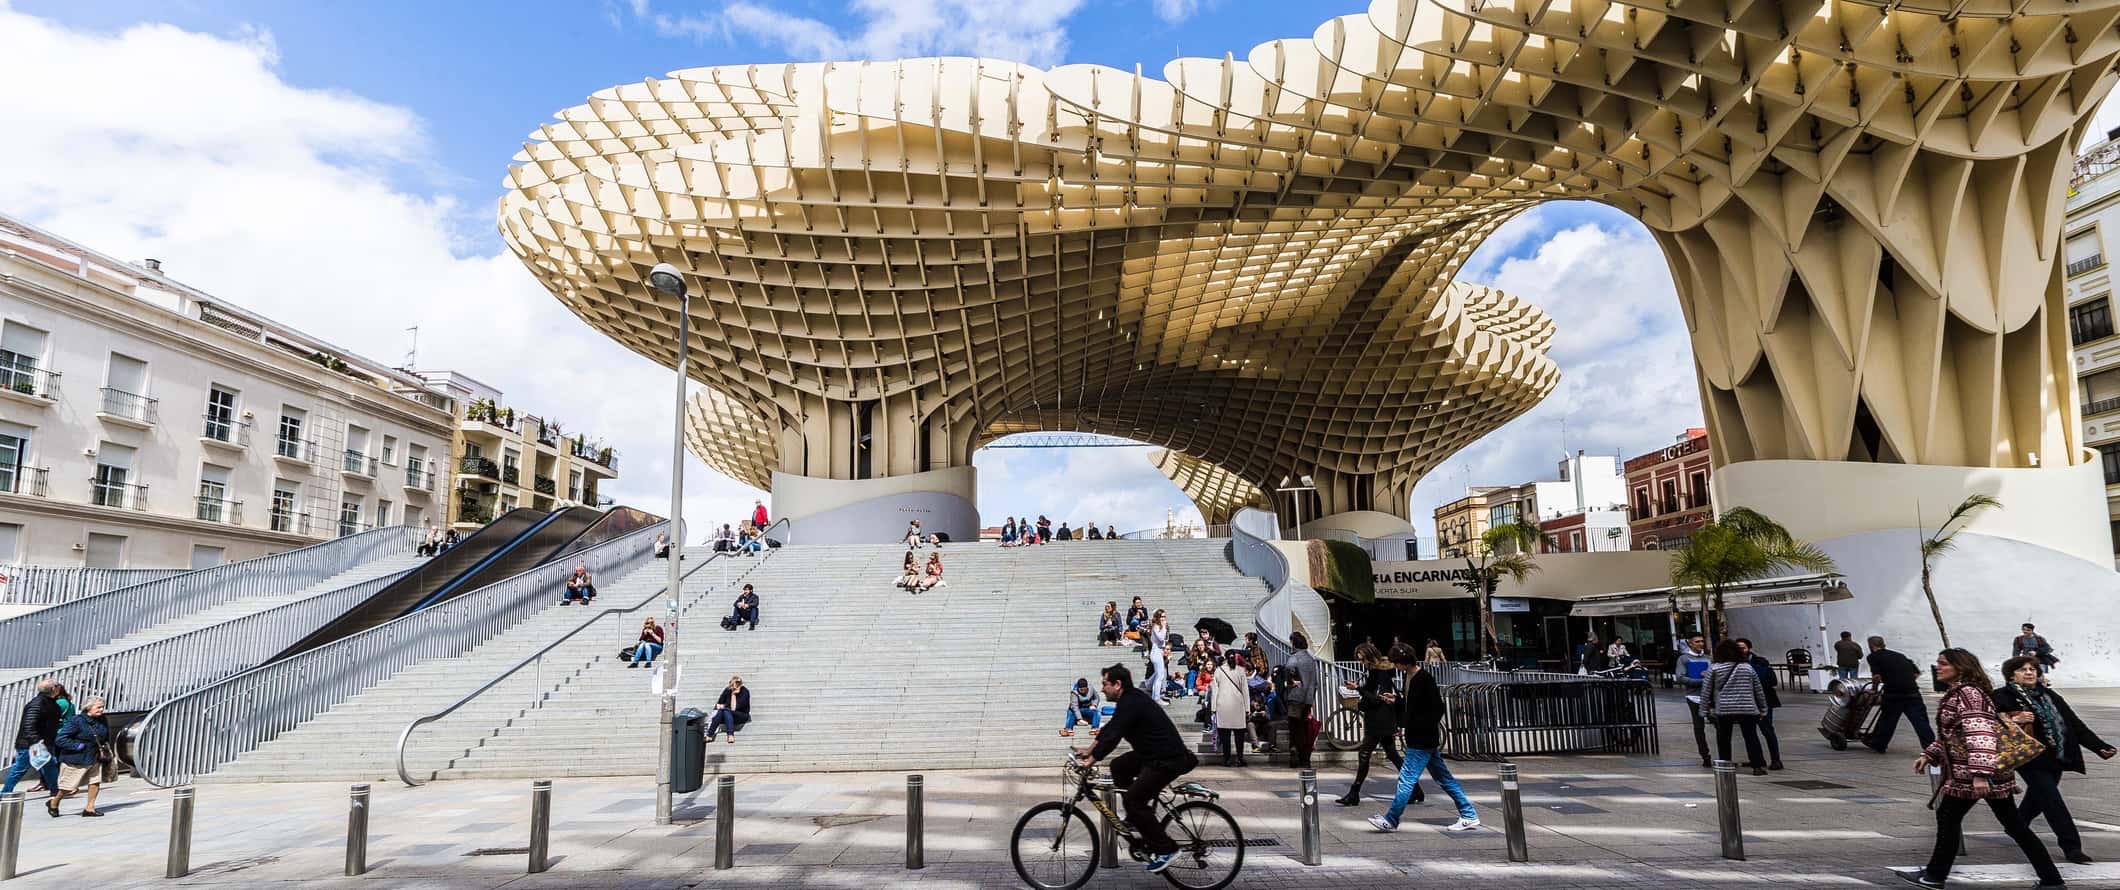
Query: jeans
{"points": [[1192, 680], [722, 718], [1142, 779], [1889, 712], [645, 652], [50, 772], [2042, 797], [1092, 714], [1766, 733], [1158, 675], [1431, 760], [750, 615], [1950, 816], [1847, 673], [1700, 729], [1750, 725]]}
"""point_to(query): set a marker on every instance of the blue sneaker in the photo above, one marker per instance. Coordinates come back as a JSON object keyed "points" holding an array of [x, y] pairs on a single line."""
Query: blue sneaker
{"points": [[1159, 862]]}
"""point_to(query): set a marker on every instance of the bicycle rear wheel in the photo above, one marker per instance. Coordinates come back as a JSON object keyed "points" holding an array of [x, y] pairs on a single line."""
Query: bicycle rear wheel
{"points": [[1054, 847], [1210, 846]]}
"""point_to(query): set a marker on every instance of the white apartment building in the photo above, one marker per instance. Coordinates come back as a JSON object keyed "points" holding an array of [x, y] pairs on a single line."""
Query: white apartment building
{"points": [[1587, 483], [2092, 223], [145, 424]]}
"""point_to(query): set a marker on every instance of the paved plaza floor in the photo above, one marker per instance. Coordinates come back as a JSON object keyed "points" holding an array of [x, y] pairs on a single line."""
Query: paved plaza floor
{"points": [[1832, 819]]}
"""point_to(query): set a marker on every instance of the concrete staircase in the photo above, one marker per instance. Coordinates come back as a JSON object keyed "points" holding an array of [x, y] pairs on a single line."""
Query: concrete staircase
{"points": [[357, 739], [846, 671], [234, 609]]}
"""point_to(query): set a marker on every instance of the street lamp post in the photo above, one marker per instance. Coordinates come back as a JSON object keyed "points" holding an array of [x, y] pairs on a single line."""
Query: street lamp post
{"points": [[1289, 485], [666, 279]]}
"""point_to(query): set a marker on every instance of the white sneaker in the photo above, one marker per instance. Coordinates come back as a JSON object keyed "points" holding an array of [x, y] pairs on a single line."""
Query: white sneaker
{"points": [[1463, 825], [1382, 824]]}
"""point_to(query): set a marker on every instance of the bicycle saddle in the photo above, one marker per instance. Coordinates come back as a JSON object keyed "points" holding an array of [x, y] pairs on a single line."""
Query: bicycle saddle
{"points": [[1195, 790]]}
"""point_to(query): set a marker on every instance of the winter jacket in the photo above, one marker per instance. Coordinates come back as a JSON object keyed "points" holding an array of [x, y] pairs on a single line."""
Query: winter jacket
{"points": [[1232, 699], [1767, 681], [79, 739], [2065, 756], [1421, 712], [1374, 707], [1733, 690], [1966, 726], [1305, 668], [738, 701], [40, 722]]}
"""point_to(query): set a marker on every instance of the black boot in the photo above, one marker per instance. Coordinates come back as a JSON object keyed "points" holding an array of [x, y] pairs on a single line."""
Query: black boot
{"points": [[1352, 798]]}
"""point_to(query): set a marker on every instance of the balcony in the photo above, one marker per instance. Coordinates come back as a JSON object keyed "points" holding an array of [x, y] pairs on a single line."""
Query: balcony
{"points": [[2085, 265], [221, 432], [545, 485], [602, 456], [214, 509], [352, 526], [478, 466], [295, 451], [126, 409], [2101, 406], [23, 480], [417, 476], [28, 383], [289, 522], [474, 512], [510, 473], [357, 464], [118, 495]]}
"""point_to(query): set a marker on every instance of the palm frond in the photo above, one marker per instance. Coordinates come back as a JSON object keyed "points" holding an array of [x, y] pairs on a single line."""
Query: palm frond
{"points": [[1515, 566]]}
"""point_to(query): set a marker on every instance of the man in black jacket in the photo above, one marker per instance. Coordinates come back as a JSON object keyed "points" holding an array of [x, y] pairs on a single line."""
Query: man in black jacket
{"points": [[1158, 758], [40, 723], [1421, 713], [1900, 681]]}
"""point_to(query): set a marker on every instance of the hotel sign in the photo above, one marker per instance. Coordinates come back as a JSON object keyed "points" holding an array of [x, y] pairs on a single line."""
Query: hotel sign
{"points": [[1671, 452]]}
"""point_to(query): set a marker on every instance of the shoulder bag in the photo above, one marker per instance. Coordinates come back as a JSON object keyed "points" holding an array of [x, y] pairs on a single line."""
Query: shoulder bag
{"points": [[2014, 747]]}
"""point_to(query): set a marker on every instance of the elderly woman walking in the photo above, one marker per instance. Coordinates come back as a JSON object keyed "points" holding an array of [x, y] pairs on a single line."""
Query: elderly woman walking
{"points": [[84, 757], [2025, 700], [1967, 733]]}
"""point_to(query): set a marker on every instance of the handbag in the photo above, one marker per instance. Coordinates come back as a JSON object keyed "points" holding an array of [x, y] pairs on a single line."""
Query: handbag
{"points": [[2014, 747]]}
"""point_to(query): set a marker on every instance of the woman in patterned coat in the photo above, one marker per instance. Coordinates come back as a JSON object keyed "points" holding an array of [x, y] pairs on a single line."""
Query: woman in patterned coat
{"points": [[1966, 729]]}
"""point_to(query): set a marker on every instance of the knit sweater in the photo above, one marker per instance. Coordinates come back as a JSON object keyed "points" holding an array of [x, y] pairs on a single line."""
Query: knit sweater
{"points": [[1732, 690], [1965, 744]]}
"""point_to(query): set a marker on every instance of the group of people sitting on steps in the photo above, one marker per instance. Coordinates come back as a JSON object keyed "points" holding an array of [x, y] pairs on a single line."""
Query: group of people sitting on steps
{"points": [[1023, 533], [917, 579]]}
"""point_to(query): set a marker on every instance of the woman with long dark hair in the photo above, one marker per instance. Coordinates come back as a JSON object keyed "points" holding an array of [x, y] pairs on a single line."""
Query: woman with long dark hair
{"points": [[2025, 699], [1967, 727], [1380, 721]]}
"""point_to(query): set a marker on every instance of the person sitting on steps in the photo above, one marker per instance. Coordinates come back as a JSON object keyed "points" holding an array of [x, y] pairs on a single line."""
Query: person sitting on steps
{"points": [[1081, 707], [932, 577], [913, 537], [1108, 625], [731, 711], [746, 610], [579, 586], [909, 578], [651, 644], [725, 540]]}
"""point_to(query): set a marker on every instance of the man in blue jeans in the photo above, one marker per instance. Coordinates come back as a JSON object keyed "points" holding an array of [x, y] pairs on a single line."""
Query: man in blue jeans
{"points": [[1421, 713], [40, 723]]}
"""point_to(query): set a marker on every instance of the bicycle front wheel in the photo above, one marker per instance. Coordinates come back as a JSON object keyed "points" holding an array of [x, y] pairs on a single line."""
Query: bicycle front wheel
{"points": [[1210, 846], [1054, 847]]}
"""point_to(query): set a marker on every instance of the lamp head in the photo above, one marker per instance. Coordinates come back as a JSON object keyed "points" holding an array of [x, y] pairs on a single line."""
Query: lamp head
{"points": [[665, 278], [1308, 481]]}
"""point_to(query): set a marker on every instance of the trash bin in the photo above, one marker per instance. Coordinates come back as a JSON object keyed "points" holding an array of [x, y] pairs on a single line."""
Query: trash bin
{"points": [[688, 751]]}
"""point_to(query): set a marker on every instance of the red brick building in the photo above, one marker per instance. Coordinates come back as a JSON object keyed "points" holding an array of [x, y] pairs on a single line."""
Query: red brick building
{"points": [[1667, 493]]}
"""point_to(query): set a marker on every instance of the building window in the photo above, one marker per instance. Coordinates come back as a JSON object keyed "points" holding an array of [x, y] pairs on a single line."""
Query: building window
{"points": [[2115, 530], [104, 551], [2111, 455], [205, 556], [285, 516], [2090, 321], [1699, 495], [20, 348], [220, 415], [291, 444], [10, 543], [125, 390], [1575, 542], [2084, 253], [382, 513], [14, 454], [1670, 504], [349, 516], [214, 505], [109, 488], [390, 451], [1641, 503]]}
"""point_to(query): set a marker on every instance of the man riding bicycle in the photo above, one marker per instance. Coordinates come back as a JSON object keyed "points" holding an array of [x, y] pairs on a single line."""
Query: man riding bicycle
{"points": [[1158, 758]]}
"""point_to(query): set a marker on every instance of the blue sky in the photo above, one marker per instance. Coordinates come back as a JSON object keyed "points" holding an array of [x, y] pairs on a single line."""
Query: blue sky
{"points": [[252, 143]]}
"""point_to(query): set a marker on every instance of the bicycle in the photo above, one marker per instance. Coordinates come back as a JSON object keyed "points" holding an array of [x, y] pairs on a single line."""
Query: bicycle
{"points": [[1056, 840]]}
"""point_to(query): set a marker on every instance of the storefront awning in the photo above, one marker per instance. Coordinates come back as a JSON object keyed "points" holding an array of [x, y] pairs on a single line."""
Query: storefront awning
{"points": [[1792, 590]]}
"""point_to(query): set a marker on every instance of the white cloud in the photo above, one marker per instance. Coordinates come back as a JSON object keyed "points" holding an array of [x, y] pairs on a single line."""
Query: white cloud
{"points": [[1030, 31], [191, 148], [1114, 487], [1627, 382], [1176, 11]]}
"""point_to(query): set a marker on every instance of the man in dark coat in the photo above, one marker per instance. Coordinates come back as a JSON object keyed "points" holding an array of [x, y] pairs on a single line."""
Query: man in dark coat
{"points": [[40, 723], [1158, 758]]}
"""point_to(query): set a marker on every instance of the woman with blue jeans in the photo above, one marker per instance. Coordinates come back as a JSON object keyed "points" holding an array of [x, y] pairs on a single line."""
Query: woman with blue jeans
{"points": [[731, 711], [1081, 705], [1421, 713], [651, 643]]}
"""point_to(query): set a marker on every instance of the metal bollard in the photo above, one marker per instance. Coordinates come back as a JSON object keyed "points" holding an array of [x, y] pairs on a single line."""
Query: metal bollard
{"points": [[179, 863], [11, 805], [540, 825], [1726, 814], [1110, 830], [357, 831], [915, 823], [662, 760], [1513, 814], [725, 823], [1313, 854]]}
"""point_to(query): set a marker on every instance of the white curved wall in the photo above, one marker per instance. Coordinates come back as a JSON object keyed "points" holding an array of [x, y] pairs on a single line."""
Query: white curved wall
{"points": [[876, 511]]}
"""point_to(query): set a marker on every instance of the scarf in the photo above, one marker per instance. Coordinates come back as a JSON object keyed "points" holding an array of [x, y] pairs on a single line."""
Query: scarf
{"points": [[2049, 716]]}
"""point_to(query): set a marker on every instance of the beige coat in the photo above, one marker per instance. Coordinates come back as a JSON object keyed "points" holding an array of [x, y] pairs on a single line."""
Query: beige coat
{"points": [[1231, 698]]}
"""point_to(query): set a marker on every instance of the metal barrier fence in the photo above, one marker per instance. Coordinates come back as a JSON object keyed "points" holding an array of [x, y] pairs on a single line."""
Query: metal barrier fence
{"points": [[52, 585], [142, 677], [1491, 721], [53, 634], [197, 732]]}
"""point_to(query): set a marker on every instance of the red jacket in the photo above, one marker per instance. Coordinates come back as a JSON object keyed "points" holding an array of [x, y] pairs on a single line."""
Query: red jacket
{"points": [[758, 516]]}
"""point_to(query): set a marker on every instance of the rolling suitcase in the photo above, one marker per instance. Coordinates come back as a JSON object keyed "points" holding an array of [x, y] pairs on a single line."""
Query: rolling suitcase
{"points": [[1851, 713]]}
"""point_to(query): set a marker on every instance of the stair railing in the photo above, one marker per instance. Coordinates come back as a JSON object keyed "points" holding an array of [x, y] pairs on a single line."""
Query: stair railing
{"points": [[199, 731], [56, 633], [535, 660]]}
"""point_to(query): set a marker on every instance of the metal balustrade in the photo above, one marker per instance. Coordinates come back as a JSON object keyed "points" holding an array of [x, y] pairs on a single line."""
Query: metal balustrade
{"points": [[358, 463], [50, 585], [295, 449], [47, 636], [32, 481], [213, 509], [289, 522], [199, 731], [2086, 264], [142, 677], [26, 379], [1495, 721], [226, 431], [128, 406], [479, 466], [2101, 406], [122, 495]]}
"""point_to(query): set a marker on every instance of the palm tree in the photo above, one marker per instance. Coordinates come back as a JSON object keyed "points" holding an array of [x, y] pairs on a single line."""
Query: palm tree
{"points": [[1741, 545], [1504, 551], [1941, 543]]}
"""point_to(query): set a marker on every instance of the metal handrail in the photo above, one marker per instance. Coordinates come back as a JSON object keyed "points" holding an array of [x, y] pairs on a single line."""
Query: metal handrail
{"points": [[405, 737], [52, 634], [51, 585], [198, 731], [142, 677]]}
